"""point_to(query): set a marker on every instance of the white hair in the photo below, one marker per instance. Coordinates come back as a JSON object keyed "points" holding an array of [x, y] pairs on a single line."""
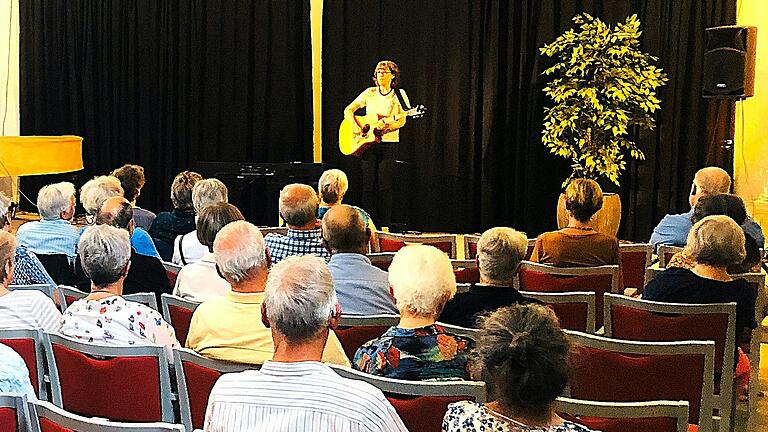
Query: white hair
{"points": [[5, 204], [97, 190], [299, 297], [332, 186], [298, 204], [104, 253], [717, 241], [499, 251], [238, 250], [54, 199], [207, 192], [422, 279]]}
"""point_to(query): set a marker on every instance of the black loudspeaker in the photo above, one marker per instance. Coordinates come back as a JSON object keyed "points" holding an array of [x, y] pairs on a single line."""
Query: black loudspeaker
{"points": [[729, 62]]}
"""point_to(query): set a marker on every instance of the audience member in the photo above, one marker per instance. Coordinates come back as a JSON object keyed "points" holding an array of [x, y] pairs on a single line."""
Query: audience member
{"points": [[28, 270], [132, 180], [200, 281], [14, 375], [499, 253], [331, 188], [187, 248], [146, 273], [169, 225], [104, 316], [227, 327], [22, 308], [422, 282], [673, 228], [362, 288], [298, 208], [522, 355], [578, 244], [294, 391]]}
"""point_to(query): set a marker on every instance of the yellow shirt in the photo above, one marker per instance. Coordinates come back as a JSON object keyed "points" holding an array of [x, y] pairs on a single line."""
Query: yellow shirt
{"points": [[384, 105], [230, 328]]}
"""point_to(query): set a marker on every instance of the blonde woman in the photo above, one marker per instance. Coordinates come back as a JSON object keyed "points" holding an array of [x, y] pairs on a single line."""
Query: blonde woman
{"points": [[331, 188]]}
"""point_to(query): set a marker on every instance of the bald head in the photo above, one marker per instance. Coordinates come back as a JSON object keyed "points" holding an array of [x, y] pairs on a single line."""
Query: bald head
{"points": [[344, 230], [298, 205], [117, 212], [709, 181]]}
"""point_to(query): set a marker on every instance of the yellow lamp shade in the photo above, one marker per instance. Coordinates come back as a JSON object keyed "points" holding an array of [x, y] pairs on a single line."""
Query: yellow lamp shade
{"points": [[30, 155]]}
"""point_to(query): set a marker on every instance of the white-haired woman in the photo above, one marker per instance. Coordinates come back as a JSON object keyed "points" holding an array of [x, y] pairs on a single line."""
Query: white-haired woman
{"points": [[422, 281]]}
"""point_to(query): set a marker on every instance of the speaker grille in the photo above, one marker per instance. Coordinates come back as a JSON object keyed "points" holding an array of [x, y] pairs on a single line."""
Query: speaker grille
{"points": [[725, 71]]}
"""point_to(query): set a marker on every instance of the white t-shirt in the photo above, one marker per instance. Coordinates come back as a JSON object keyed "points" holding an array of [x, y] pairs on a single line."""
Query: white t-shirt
{"points": [[191, 246], [384, 105], [200, 281], [29, 309]]}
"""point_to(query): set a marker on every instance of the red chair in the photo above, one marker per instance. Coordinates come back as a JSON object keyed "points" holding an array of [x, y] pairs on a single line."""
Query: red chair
{"points": [[614, 370], [420, 404], [470, 245], [643, 320], [634, 258], [71, 294], [14, 414], [172, 272], [466, 271], [544, 278], [28, 343], [656, 416], [665, 253], [575, 310], [122, 383], [178, 313], [47, 417], [354, 331], [381, 260], [195, 377], [391, 242]]}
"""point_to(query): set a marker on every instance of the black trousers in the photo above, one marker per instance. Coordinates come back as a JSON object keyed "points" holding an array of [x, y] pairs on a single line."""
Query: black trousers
{"points": [[378, 166]]}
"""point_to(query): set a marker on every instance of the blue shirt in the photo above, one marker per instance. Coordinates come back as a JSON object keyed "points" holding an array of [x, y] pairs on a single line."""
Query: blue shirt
{"points": [[49, 237], [297, 242], [141, 242], [673, 230], [362, 288], [14, 375], [29, 270]]}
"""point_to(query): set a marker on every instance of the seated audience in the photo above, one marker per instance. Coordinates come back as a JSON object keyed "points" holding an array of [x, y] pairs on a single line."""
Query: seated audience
{"points": [[99, 189], [331, 188], [169, 225], [146, 273], [22, 308], [499, 253], [578, 244], [522, 355], [53, 239], [104, 316], [14, 375], [28, 270], [294, 391], [227, 327], [362, 288], [422, 282], [298, 208], [200, 281], [187, 248], [132, 180], [673, 228]]}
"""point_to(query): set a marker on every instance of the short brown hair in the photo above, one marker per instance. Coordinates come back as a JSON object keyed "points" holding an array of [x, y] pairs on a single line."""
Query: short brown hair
{"points": [[213, 218], [131, 179], [393, 68], [181, 189], [583, 198]]}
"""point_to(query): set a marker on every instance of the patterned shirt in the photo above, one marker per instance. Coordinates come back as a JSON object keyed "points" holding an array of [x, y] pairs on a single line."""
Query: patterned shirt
{"points": [[14, 375], [297, 242], [29, 270], [301, 396], [116, 321], [415, 354], [29, 309], [49, 237], [468, 416]]}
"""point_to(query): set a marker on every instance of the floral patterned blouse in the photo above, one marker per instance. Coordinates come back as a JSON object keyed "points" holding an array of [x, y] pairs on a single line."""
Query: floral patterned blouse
{"points": [[415, 354], [116, 321], [469, 416]]}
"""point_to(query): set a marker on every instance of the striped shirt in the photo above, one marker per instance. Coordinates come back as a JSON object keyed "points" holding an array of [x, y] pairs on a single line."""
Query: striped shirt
{"points": [[49, 237], [29, 309], [301, 396]]}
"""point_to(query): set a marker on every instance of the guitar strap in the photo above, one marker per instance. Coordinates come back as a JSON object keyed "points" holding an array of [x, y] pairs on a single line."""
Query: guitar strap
{"points": [[398, 93]]}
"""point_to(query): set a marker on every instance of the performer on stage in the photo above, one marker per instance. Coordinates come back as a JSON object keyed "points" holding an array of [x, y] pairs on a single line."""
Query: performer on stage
{"points": [[378, 162]]}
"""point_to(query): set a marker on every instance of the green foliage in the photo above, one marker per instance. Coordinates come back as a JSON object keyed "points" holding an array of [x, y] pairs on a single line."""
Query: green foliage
{"points": [[602, 86]]}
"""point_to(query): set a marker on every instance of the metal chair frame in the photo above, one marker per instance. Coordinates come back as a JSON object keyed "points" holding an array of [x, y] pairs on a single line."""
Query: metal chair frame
{"points": [[19, 403], [80, 423], [425, 239], [586, 297], [618, 410], [37, 336]]}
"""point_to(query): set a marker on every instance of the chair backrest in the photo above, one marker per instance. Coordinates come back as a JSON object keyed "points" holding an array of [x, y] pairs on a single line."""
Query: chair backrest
{"points": [[14, 414], [28, 343], [178, 313], [466, 271], [644, 320], [757, 286], [634, 258], [575, 310], [665, 253], [470, 245], [462, 287], [59, 267], [171, 272], [71, 294], [420, 404], [53, 292], [654, 416], [354, 331], [195, 377], [468, 333], [391, 242], [381, 260], [275, 230], [651, 273], [544, 278], [615, 370], [529, 250], [147, 299], [123, 383], [47, 417]]}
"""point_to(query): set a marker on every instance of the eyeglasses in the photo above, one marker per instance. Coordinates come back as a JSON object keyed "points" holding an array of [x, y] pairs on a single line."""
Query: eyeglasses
{"points": [[382, 72]]}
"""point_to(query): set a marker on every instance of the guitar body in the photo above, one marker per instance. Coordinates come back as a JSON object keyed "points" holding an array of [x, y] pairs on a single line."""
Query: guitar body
{"points": [[354, 144]]}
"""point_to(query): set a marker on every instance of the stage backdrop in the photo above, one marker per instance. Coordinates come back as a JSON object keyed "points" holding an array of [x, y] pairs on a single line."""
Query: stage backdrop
{"points": [[477, 160], [166, 83]]}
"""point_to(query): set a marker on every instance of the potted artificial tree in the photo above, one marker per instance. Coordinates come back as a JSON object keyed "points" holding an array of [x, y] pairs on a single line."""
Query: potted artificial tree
{"points": [[604, 90]]}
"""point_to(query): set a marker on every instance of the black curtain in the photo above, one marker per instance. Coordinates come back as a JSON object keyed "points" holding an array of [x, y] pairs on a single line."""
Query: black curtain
{"points": [[477, 160], [167, 83]]}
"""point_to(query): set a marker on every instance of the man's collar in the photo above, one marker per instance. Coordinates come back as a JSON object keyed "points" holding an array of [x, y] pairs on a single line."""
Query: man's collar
{"points": [[304, 233], [245, 298]]}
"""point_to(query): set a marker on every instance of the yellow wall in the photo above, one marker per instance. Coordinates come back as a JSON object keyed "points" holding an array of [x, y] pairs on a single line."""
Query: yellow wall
{"points": [[316, 17], [751, 151]]}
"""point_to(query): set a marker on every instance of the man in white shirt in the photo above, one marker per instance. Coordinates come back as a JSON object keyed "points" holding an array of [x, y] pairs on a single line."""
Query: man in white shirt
{"points": [[294, 391]]}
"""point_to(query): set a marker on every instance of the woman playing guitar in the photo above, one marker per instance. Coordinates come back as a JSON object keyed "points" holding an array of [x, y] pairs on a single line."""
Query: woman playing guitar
{"points": [[378, 161]]}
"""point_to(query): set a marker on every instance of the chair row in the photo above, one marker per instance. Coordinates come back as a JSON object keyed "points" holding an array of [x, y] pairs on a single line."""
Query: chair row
{"points": [[63, 295]]}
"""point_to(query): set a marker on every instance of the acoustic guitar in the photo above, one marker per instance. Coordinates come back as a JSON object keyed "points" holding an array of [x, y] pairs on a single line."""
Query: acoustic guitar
{"points": [[355, 143]]}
